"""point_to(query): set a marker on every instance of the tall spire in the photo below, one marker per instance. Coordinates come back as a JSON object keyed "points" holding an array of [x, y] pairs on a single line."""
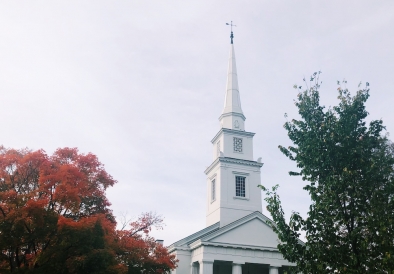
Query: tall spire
{"points": [[232, 101], [232, 115]]}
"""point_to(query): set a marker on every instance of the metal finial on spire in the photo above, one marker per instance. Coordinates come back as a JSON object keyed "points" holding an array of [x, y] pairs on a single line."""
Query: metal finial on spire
{"points": [[232, 35]]}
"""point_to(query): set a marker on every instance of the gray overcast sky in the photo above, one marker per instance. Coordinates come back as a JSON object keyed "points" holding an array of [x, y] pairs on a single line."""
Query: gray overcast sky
{"points": [[141, 84]]}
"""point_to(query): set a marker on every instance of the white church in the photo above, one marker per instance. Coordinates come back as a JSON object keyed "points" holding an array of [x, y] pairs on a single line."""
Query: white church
{"points": [[237, 238]]}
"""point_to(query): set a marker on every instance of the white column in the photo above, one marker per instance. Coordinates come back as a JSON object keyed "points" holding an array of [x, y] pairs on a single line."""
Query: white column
{"points": [[206, 267], [237, 268], [274, 270], [194, 268]]}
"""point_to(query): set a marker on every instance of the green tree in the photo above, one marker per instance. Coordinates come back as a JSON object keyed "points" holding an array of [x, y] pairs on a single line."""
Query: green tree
{"points": [[82, 249], [348, 167]]}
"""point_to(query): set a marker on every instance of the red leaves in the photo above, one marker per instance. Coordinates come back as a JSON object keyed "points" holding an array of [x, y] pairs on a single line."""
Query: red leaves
{"points": [[54, 215], [145, 223], [139, 251], [39, 193]]}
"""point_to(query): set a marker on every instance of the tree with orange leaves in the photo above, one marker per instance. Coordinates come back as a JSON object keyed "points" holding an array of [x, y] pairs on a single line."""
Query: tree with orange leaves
{"points": [[140, 252], [54, 217]]}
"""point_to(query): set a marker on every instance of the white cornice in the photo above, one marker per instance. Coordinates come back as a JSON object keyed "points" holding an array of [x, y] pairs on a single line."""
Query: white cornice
{"points": [[174, 248], [232, 131], [241, 115], [233, 161], [199, 243]]}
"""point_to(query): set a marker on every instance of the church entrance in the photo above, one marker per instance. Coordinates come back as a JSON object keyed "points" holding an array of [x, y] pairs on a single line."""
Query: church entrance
{"points": [[226, 267], [222, 267], [255, 269]]}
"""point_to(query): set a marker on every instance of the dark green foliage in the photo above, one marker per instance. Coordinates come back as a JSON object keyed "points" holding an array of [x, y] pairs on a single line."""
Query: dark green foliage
{"points": [[349, 169], [82, 250]]}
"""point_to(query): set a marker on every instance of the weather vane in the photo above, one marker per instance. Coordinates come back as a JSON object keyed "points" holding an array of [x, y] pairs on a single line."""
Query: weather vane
{"points": [[232, 35]]}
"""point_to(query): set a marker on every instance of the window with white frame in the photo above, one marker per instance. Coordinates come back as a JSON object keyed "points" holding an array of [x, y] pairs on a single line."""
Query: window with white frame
{"points": [[237, 142], [213, 190], [240, 186], [218, 148]]}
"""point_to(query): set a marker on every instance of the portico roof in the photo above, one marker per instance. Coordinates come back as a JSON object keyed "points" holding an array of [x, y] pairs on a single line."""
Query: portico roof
{"points": [[214, 235]]}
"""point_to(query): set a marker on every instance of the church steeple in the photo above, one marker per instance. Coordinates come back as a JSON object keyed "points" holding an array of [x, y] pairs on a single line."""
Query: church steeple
{"points": [[232, 116], [234, 174]]}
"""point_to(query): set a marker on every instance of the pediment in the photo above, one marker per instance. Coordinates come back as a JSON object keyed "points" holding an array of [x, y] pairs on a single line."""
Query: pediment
{"points": [[251, 230]]}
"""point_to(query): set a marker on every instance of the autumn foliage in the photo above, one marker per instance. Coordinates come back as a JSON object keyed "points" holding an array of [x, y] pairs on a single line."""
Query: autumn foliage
{"points": [[54, 218]]}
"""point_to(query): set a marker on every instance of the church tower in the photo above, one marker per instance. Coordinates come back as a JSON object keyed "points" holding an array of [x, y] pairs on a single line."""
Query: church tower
{"points": [[238, 238], [232, 178]]}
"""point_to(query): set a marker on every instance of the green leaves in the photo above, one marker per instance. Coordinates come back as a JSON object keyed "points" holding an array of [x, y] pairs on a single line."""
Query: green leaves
{"points": [[348, 167]]}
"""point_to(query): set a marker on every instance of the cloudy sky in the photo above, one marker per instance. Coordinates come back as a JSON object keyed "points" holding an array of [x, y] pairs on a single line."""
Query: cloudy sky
{"points": [[141, 85]]}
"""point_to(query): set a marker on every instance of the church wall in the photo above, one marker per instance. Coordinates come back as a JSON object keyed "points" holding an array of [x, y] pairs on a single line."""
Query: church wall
{"points": [[252, 233], [232, 207], [228, 216], [184, 264], [197, 254], [235, 121], [252, 198], [247, 146], [213, 207], [227, 207], [219, 140], [213, 217]]}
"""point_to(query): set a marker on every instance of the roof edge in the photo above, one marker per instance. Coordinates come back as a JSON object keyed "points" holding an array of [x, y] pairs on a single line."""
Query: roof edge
{"points": [[191, 238]]}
